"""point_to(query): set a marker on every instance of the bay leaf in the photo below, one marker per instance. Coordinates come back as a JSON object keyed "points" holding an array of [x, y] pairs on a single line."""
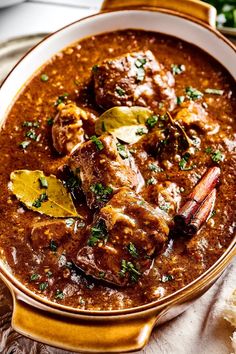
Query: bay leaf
{"points": [[125, 123], [27, 188]]}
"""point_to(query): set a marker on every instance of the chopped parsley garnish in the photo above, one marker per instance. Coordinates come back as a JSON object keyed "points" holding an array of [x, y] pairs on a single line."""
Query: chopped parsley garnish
{"points": [[34, 277], [34, 124], [97, 142], [69, 222], [102, 192], [154, 168], [38, 202], [59, 294], [166, 278], [141, 131], [165, 206], [62, 98], [183, 162], [53, 246], [217, 156], [180, 99], [193, 94], [50, 121], [214, 91], [43, 286], [212, 214], [44, 77], [151, 181], [132, 250], [95, 68], [31, 134], [129, 267], [140, 73], [24, 144], [101, 275], [43, 182], [120, 91], [49, 274], [98, 233], [152, 121], [122, 151], [177, 69]]}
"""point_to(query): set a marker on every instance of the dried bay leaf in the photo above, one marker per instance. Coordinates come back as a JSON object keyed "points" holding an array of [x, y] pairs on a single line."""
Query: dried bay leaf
{"points": [[125, 123], [53, 200]]}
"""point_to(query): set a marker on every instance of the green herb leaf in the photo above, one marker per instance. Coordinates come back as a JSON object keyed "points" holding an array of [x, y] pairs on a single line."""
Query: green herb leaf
{"points": [[122, 151], [217, 156], [180, 99], [193, 94], [24, 144], [141, 131], [98, 233], [140, 62], [43, 182], [129, 267], [166, 278], [165, 206], [95, 68], [59, 294], [132, 250], [120, 91], [97, 142], [151, 181], [208, 150], [123, 122], [102, 192], [152, 121], [53, 246], [62, 98], [177, 69], [183, 162], [43, 286], [44, 77], [154, 168], [214, 91], [34, 124], [49, 274], [50, 121], [57, 202], [34, 277]]}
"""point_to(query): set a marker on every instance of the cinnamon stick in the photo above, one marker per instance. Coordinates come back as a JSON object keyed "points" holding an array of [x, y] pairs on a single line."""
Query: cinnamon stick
{"points": [[202, 214], [196, 197]]}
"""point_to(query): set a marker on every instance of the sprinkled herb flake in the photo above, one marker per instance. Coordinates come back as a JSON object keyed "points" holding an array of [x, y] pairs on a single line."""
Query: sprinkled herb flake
{"points": [[183, 162], [154, 168], [69, 222], [193, 94], [43, 286], [180, 99], [120, 91], [129, 267], [53, 246], [43, 182], [101, 275], [214, 91], [62, 98], [140, 72], [49, 274], [95, 68], [34, 277], [24, 144], [50, 121], [59, 295], [97, 142], [165, 206], [152, 121], [132, 250], [151, 181], [141, 131], [217, 156], [177, 69], [38, 202], [122, 151], [102, 192], [98, 233], [34, 124], [213, 213], [44, 77], [166, 278]]}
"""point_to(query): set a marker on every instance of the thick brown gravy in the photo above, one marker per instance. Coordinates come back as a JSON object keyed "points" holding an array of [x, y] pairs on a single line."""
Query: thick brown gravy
{"points": [[182, 259]]}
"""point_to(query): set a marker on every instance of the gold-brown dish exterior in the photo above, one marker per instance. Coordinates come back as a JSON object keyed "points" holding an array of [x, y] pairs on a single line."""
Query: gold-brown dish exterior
{"points": [[110, 331]]}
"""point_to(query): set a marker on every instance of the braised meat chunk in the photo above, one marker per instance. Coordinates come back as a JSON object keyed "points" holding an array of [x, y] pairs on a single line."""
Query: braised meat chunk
{"points": [[134, 79], [101, 169], [67, 129], [125, 235]]}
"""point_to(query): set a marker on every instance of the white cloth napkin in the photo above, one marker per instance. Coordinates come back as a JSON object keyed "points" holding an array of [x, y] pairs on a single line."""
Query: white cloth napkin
{"points": [[199, 330]]}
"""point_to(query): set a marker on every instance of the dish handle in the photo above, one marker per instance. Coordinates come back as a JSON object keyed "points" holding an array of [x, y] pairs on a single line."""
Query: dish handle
{"points": [[194, 8], [92, 334]]}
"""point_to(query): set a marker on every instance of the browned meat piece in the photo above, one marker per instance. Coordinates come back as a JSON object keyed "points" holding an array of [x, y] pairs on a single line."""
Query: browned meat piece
{"points": [[67, 129], [101, 169], [134, 79], [192, 114], [125, 235], [44, 232]]}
